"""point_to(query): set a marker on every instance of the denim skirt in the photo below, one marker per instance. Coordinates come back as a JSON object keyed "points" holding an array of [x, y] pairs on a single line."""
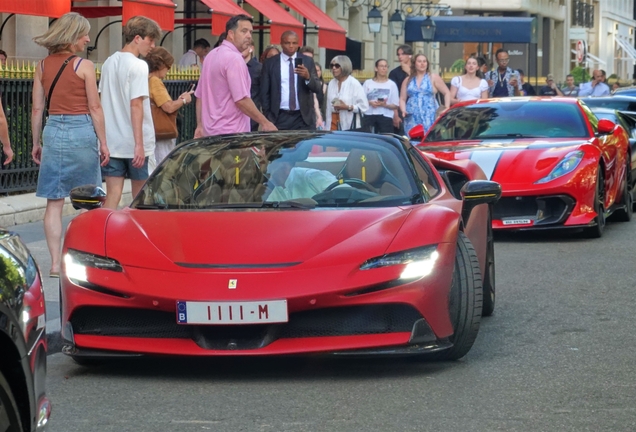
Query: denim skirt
{"points": [[70, 156]]}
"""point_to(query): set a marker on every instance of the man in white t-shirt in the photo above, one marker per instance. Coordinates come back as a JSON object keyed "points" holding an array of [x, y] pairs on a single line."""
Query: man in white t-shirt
{"points": [[124, 92]]}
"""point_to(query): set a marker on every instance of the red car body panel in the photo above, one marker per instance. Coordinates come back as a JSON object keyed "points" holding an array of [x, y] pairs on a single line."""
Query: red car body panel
{"points": [[311, 259], [522, 162]]}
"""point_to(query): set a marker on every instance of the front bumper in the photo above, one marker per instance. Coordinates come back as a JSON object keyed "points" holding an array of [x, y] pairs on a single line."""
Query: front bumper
{"points": [[535, 212], [397, 328]]}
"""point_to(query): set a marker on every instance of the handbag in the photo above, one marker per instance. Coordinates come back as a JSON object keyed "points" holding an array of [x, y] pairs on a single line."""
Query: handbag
{"points": [[354, 121], [165, 123]]}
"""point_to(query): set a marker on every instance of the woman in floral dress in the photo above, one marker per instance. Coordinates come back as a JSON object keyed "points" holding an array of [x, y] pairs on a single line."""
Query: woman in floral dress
{"points": [[417, 96]]}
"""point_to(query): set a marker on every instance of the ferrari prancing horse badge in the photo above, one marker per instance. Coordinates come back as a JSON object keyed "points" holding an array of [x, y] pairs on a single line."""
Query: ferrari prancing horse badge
{"points": [[232, 284]]}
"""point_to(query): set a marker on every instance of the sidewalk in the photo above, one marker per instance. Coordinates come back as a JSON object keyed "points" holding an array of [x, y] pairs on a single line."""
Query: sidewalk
{"points": [[25, 208]]}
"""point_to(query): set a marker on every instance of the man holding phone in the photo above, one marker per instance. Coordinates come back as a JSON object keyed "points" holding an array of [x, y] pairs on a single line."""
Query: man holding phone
{"points": [[288, 84], [503, 81]]}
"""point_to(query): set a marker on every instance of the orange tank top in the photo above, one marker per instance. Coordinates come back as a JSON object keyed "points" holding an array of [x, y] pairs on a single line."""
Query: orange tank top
{"points": [[69, 94]]}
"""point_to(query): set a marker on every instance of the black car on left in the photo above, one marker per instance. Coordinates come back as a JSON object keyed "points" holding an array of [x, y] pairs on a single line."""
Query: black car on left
{"points": [[24, 405]]}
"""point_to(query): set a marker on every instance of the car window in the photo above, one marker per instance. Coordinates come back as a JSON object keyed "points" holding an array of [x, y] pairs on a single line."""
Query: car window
{"points": [[612, 103], [629, 123], [509, 119], [424, 172], [282, 172]]}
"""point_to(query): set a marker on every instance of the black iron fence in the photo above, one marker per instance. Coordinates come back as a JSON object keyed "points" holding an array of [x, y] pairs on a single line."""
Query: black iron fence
{"points": [[21, 175]]}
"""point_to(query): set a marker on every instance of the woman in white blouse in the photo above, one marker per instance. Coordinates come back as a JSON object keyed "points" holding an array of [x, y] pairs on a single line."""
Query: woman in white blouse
{"points": [[346, 100], [469, 86]]}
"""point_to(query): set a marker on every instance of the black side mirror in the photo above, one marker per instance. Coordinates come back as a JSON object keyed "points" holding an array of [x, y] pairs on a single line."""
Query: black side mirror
{"points": [[478, 192], [87, 197]]}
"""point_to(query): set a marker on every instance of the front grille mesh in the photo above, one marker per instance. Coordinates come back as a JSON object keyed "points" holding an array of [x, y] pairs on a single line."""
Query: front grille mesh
{"points": [[342, 321]]}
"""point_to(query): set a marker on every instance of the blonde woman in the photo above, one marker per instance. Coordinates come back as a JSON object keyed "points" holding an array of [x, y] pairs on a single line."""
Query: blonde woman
{"points": [[159, 62], [345, 96], [70, 153], [417, 96], [469, 86]]}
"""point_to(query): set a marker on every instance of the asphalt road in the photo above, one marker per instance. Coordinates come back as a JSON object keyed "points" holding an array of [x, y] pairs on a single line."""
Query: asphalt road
{"points": [[559, 354]]}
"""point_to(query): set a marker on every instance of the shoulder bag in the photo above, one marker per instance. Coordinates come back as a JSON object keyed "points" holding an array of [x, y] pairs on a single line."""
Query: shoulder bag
{"points": [[165, 123]]}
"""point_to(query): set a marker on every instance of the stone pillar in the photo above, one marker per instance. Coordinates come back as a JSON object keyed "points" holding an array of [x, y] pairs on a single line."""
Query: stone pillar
{"points": [[560, 51], [18, 34]]}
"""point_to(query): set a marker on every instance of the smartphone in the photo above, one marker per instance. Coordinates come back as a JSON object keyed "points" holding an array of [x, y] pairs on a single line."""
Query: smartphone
{"points": [[192, 87], [298, 62], [380, 99]]}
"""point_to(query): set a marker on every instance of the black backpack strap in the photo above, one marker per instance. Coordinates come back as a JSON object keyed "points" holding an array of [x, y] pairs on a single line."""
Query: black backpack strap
{"points": [[57, 77]]}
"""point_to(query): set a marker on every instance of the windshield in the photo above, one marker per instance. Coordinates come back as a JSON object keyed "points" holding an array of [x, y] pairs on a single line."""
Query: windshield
{"points": [[282, 171], [510, 120], [611, 103]]}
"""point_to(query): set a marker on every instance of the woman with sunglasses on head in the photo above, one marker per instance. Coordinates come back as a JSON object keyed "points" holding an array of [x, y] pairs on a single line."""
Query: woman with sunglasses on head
{"points": [[384, 99], [346, 99], [417, 96]]}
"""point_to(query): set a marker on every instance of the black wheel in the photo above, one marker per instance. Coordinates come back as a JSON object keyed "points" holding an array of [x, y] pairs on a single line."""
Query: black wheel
{"points": [[625, 214], [465, 302], [9, 414], [356, 183], [599, 207], [489, 274]]}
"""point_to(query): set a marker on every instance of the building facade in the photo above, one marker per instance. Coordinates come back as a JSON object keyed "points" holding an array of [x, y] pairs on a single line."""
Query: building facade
{"points": [[605, 28]]}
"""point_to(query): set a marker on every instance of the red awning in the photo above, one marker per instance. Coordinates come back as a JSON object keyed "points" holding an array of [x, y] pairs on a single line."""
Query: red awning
{"points": [[47, 8], [280, 20], [330, 33], [222, 10], [97, 11], [161, 11]]}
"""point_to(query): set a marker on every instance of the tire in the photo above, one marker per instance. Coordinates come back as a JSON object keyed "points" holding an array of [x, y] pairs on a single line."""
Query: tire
{"points": [[625, 214], [489, 273], [9, 414], [465, 303], [599, 208]]}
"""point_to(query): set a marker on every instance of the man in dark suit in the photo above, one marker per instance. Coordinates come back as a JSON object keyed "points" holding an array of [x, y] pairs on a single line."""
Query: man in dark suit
{"points": [[288, 84], [254, 68]]}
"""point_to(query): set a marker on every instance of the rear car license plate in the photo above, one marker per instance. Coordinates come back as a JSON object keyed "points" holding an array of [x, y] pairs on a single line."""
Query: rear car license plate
{"points": [[517, 221], [254, 312]]}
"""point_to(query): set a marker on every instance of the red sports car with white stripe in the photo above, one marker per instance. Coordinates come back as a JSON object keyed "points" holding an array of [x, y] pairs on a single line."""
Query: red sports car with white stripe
{"points": [[559, 166]]}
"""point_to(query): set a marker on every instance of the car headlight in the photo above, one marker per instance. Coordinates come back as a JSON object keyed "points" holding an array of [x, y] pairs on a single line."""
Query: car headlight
{"points": [[419, 262], [567, 165], [76, 263]]}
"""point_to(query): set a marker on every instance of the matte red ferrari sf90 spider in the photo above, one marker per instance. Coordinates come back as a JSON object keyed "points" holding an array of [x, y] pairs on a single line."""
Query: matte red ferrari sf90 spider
{"points": [[281, 243], [559, 166]]}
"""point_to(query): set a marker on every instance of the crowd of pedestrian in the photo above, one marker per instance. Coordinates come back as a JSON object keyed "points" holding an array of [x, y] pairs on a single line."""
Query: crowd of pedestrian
{"points": [[131, 127]]}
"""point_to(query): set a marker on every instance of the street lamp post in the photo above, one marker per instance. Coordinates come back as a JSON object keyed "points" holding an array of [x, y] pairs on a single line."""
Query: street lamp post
{"points": [[375, 20], [396, 24], [428, 29]]}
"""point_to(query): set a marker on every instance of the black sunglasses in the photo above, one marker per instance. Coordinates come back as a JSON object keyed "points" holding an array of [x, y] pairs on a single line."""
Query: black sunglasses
{"points": [[335, 65]]}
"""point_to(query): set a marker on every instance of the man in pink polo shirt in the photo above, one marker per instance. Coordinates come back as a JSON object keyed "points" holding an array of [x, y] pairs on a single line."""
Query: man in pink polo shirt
{"points": [[224, 103]]}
